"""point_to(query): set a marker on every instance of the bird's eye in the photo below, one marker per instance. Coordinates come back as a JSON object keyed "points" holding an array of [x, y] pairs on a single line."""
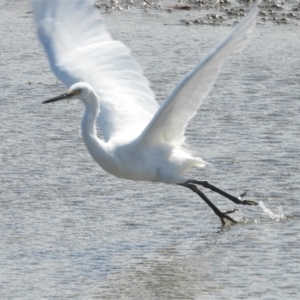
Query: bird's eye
{"points": [[76, 92]]}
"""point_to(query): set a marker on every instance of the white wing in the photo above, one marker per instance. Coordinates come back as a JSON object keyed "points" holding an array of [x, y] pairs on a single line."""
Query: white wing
{"points": [[169, 123], [79, 48]]}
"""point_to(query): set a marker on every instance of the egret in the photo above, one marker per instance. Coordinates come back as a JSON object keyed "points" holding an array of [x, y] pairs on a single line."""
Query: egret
{"points": [[142, 141]]}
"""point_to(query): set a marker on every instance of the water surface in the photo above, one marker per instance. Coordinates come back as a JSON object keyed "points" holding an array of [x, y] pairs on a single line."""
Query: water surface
{"points": [[71, 231]]}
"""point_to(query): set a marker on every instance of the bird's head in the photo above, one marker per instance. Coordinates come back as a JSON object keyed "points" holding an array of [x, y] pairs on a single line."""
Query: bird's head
{"points": [[79, 90]]}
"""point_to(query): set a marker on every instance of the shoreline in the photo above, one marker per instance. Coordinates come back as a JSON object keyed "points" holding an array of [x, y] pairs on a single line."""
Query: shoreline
{"points": [[198, 12], [217, 12]]}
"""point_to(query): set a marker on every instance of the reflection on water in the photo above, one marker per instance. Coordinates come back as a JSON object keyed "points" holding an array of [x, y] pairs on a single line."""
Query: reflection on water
{"points": [[70, 231]]}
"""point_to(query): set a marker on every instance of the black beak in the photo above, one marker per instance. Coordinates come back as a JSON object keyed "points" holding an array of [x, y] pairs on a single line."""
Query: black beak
{"points": [[60, 97]]}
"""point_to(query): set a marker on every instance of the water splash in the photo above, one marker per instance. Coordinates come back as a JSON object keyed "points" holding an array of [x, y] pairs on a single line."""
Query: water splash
{"points": [[277, 216]]}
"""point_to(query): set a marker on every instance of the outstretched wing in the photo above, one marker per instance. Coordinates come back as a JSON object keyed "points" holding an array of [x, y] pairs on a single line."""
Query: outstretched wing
{"points": [[79, 48], [169, 123]]}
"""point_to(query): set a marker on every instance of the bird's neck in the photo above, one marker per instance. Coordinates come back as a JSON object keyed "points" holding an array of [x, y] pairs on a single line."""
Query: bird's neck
{"points": [[95, 146], [88, 124]]}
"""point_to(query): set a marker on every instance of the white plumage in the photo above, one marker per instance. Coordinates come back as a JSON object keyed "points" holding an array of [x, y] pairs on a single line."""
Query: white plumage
{"points": [[142, 141], [80, 49]]}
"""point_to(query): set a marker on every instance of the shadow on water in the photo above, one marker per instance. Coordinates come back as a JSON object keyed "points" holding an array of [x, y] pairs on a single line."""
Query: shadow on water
{"points": [[171, 275], [210, 269]]}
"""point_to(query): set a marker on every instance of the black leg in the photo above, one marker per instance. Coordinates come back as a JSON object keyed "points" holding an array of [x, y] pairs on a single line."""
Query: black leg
{"points": [[220, 214], [228, 196]]}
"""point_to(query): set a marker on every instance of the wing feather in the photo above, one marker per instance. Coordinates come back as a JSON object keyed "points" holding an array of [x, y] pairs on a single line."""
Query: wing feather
{"points": [[169, 123], [79, 48]]}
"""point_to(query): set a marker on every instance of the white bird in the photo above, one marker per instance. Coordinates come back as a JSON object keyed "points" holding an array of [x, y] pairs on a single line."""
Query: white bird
{"points": [[142, 141]]}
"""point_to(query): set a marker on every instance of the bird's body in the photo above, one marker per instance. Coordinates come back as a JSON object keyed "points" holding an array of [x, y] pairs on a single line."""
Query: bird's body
{"points": [[125, 157], [141, 141]]}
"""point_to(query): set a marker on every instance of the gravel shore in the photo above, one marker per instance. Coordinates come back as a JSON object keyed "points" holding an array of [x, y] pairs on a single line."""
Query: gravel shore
{"points": [[213, 12]]}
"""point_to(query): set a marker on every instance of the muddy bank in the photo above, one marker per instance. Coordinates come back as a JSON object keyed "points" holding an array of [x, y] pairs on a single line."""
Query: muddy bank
{"points": [[211, 12]]}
